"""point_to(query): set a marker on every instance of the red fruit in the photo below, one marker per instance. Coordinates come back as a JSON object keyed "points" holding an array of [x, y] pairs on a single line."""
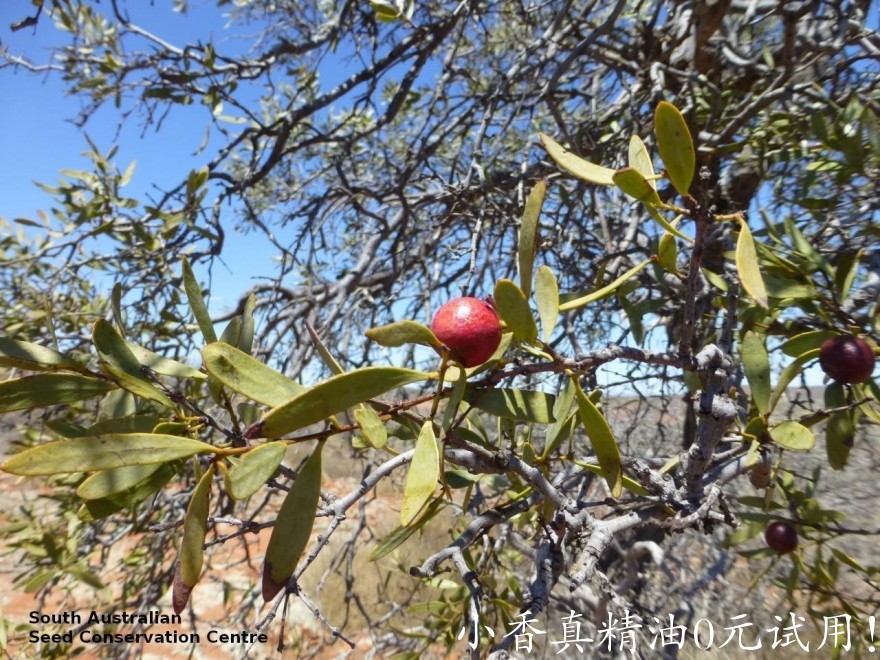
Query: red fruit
{"points": [[781, 537], [847, 359], [469, 328]]}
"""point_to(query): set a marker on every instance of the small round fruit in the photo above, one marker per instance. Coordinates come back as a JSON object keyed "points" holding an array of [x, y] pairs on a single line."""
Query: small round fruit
{"points": [[847, 359], [781, 537], [469, 328]]}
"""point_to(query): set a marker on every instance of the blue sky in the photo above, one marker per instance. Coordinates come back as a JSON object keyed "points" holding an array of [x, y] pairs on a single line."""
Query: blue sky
{"points": [[39, 138]]}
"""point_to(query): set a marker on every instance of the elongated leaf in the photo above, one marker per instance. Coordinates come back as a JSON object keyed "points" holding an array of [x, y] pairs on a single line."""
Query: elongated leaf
{"points": [[561, 409], [293, 526], [792, 435], [840, 428], [513, 307], [246, 339], [806, 341], [630, 484], [190, 558], [421, 479], [667, 252], [640, 160], [372, 428], [43, 390], [232, 332], [121, 365], [116, 306], [246, 375], [747, 265], [93, 510], [324, 352], [117, 480], [575, 165], [103, 452], [521, 405], [197, 303], [24, 355], [528, 236], [573, 301], [634, 184], [675, 145], [253, 470], [756, 364], [163, 365], [335, 395], [602, 440], [401, 333], [547, 300], [666, 224]]}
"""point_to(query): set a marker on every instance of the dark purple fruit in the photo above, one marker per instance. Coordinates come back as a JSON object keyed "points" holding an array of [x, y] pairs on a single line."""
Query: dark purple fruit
{"points": [[847, 359], [781, 537]]}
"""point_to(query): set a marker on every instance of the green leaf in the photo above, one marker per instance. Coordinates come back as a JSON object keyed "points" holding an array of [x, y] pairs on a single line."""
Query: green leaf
{"points": [[372, 428], [579, 167], [95, 509], [667, 252], [747, 265], [574, 301], [121, 365], [556, 434], [190, 558], [839, 429], [116, 306], [246, 339], [845, 272], [33, 357], [602, 440], [792, 435], [335, 395], [293, 526], [806, 341], [254, 469], [421, 479], [248, 376], [197, 302], [528, 236], [326, 356], [632, 183], [640, 160], [401, 333], [513, 308], [521, 405], [43, 390], [163, 365], [675, 145], [547, 300], [454, 402], [756, 365], [103, 452], [105, 483], [232, 332], [630, 484]]}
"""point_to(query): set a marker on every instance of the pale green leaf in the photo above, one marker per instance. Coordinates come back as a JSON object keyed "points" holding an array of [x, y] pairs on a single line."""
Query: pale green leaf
{"points": [[756, 364], [632, 183], [293, 526], [372, 427], [103, 452], [574, 301], [640, 160], [421, 479], [335, 395], [602, 439], [575, 165], [792, 435], [117, 480], [191, 555], [521, 405], [197, 303], [547, 300], [42, 390], [747, 265], [248, 376], [401, 333], [513, 308], [528, 236], [675, 145], [253, 469], [33, 357]]}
